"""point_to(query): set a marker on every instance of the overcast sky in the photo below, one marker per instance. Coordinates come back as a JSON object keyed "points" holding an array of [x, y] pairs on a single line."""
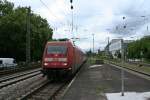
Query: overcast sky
{"points": [[103, 18]]}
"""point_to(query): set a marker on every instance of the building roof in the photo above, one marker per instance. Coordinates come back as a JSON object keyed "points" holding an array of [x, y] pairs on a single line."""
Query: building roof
{"points": [[128, 41], [115, 40]]}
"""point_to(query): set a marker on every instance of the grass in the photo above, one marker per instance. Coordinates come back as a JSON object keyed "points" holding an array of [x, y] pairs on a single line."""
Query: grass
{"points": [[144, 69], [94, 60], [101, 89], [147, 61], [91, 60]]}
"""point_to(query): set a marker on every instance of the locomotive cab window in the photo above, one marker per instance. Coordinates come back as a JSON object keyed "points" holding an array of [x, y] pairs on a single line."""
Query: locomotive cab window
{"points": [[56, 49]]}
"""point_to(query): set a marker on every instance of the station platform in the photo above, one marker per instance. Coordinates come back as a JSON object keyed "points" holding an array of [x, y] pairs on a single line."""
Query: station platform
{"points": [[86, 85], [98, 82]]}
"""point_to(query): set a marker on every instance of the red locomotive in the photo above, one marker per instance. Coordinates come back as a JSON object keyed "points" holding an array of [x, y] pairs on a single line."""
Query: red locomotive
{"points": [[61, 57]]}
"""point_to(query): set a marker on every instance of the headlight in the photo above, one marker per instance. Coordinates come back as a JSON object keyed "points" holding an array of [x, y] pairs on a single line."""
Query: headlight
{"points": [[64, 64], [45, 64]]}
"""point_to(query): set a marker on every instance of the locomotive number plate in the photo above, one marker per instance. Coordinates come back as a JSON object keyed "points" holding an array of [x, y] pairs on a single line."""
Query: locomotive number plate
{"points": [[55, 59]]}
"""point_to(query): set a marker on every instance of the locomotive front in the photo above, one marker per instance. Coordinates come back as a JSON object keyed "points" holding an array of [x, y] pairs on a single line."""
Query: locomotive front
{"points": [[56, 58]]}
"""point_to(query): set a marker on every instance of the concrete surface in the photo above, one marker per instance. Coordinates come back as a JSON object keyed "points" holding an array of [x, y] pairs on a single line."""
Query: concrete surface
{"points": [[93, 82]]}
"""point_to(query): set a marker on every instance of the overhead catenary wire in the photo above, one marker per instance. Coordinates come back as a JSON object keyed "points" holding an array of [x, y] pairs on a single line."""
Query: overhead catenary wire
{"points": [[49, 10], [51, 13]]}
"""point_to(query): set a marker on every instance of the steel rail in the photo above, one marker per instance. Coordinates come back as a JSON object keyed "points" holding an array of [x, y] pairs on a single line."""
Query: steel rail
{"points": [[52, 94], [8, 70], [30, 93], [18, 75], [18, 80]]}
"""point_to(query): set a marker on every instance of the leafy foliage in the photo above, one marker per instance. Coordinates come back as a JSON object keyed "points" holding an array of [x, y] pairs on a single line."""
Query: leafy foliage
{"points": [[13, 23], [140, 48]]}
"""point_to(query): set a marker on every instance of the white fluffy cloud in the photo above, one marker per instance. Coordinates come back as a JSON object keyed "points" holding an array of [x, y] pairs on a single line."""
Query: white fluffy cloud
{"points": [[97, 16]]}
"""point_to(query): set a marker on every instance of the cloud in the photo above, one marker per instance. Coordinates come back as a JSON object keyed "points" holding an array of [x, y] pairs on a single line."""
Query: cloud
{"points": [[101, 17]]}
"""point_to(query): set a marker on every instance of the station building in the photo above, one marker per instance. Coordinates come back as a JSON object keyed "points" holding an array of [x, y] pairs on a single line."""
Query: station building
{"points": [[116, 45]]}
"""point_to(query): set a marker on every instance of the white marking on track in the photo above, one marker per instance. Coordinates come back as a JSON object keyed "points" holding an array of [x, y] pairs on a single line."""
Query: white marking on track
{"points": [[94, 66]]}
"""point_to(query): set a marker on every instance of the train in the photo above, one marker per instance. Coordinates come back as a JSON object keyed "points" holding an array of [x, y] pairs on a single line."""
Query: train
{"points": [[61, 57]]}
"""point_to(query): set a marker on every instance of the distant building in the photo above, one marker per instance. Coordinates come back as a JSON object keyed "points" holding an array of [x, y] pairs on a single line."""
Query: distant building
{"points": [[126, 42], [115, 46], [146, 36]]}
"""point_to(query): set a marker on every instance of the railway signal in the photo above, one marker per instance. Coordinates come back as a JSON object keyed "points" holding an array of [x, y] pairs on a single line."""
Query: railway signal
{"points": [[71, 4], [71, 7], [71, 1]]}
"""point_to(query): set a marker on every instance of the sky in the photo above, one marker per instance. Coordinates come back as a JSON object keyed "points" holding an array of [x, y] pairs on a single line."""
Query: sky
{"points": [[103, 18]]}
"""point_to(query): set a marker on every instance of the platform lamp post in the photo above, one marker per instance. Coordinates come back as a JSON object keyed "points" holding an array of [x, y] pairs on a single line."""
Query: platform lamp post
{"points": [[122, 57], [122, 71]]}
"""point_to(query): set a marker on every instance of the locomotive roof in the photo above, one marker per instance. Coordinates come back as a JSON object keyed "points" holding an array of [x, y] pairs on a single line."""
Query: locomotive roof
{"points": [[60, 42], [63, 42]]}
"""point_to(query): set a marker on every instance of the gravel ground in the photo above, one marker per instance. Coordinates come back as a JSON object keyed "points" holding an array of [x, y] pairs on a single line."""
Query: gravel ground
{"points": [[14, 91], [93, 82], [46, 92], [18, 73]]}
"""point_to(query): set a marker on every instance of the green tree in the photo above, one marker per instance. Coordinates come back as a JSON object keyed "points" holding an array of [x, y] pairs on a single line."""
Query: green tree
{"points": [[139, 48], [13, 23], [145, 47]]}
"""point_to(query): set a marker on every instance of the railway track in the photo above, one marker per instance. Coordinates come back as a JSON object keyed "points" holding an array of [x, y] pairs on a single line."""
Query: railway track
{"points": [[46, 91], [135, 71], [12, 76], [6, 81], [50, 90], [6, 71], [139, 63], [146, 75], [31, 86]]}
